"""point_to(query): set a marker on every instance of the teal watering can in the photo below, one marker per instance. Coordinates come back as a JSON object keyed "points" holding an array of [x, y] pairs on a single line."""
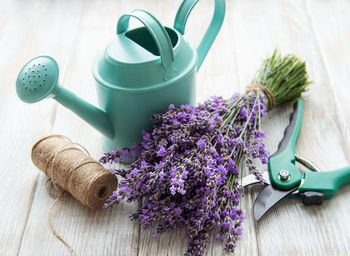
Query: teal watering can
{"points": [[141, 72]]}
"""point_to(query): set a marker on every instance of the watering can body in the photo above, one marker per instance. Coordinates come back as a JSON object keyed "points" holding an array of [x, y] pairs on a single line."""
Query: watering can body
{"points": [[132, 88], [141, 72], [144, 70]]}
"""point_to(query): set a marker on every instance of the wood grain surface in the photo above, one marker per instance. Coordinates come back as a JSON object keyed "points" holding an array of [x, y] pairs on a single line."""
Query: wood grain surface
{"points": [[74, 32]]}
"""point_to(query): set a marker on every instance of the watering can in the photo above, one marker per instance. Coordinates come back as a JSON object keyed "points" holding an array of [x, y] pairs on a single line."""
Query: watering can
{"points": [[141, 72]]}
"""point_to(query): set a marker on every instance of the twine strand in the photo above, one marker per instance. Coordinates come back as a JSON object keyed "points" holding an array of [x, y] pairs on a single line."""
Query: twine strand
{"points": [[59, 189], [56, 234], [268, 94]]}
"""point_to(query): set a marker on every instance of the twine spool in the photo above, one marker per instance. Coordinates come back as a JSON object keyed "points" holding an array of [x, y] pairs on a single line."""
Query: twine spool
{"points": [[73, 170]]}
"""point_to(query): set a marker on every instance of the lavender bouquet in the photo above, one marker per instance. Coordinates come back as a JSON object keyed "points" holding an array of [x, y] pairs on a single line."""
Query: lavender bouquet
{"points": [[187, 168]]}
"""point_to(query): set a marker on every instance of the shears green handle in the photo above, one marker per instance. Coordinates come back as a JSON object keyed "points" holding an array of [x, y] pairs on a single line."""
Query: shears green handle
{"points": [[284, 158], [325, 184]]}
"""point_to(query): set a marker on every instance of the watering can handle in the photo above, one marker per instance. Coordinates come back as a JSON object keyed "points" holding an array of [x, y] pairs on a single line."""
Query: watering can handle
{"points": [[157, 31], [214, 27]]}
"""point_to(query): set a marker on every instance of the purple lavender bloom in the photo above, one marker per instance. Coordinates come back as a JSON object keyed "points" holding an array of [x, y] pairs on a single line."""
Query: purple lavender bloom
{"points": [[186, 169], [161, 152], [201, 143], [146, 136]]}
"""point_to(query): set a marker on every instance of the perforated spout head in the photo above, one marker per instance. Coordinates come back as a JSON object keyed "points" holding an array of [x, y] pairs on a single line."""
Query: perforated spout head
{"points": [[37, 79]]}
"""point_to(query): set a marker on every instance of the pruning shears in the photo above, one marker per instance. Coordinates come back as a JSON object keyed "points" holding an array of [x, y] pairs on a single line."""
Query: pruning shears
{"points": [[284, 178]]}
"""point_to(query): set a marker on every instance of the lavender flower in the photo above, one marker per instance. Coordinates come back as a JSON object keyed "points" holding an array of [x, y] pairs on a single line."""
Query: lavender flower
{"points": [[187, 167]]}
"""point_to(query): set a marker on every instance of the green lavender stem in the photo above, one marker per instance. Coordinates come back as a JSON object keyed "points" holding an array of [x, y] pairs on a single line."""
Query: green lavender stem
{"points": [[284, 76]]}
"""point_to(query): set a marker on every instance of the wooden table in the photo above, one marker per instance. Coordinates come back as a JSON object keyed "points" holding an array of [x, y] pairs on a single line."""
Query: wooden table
{"points": [[74, 32]]}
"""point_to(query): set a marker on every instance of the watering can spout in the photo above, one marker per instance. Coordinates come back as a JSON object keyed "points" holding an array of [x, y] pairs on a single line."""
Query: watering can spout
{"points": [[38, 80], [94, 116]]}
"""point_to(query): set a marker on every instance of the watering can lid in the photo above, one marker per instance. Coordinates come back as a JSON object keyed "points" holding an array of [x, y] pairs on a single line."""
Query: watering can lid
{"points": [[142, 57], [124, 51]]}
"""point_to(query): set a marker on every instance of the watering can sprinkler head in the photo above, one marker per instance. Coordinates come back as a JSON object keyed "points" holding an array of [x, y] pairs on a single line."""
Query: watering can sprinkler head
{"points": [[38, 80]]}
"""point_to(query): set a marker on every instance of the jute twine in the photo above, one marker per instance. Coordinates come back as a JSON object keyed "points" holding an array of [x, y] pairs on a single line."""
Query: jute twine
{"points": [[268, 94], [71, 169]]}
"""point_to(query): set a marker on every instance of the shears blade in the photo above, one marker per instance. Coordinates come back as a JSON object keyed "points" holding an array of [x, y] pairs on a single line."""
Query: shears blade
{"points": [[267, 198], [284, 176], [252, 180]]}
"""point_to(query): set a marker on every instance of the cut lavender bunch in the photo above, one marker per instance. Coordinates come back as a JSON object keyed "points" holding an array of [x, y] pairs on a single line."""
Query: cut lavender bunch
{"points": [[187, 168]]}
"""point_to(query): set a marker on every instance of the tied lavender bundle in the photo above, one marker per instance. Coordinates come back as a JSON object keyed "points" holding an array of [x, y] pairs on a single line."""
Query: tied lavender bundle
{"points": [[187, 168]]}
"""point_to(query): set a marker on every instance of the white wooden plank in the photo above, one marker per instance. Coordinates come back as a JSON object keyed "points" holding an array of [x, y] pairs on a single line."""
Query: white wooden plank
{"points": [[292, 229], [332, 35], [90, 232], [21, 123]]}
